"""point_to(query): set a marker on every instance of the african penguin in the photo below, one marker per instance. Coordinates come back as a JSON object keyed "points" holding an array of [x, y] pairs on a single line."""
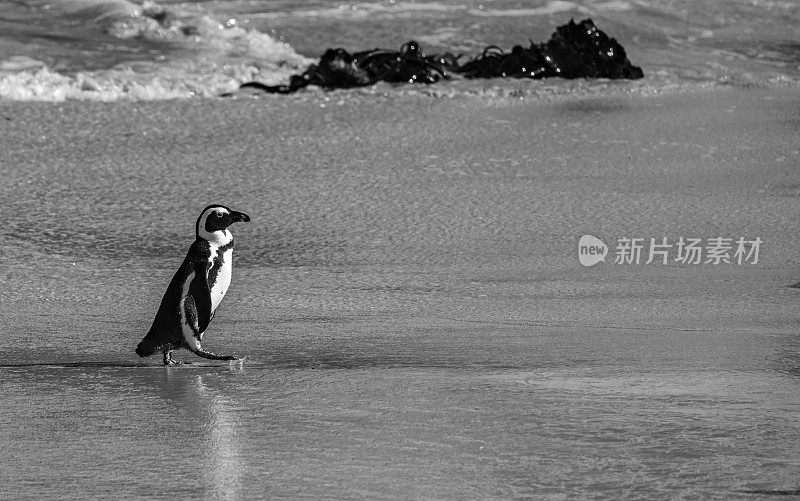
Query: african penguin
{"points": [[196, 289]]}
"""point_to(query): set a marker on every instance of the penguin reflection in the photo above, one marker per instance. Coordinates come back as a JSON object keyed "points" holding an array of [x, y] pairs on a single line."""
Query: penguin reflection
{"points": [[211, 431]]}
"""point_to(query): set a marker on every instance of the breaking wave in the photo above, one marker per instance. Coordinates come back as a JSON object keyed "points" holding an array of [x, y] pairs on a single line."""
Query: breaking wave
{"points": [[199, 54]]}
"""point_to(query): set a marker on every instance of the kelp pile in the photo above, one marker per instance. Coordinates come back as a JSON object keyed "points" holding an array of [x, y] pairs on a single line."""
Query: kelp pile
{"points": [[575, 50]]}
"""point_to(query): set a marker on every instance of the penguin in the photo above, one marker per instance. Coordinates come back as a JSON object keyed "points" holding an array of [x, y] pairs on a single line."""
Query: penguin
{"points": [[196, 290]]}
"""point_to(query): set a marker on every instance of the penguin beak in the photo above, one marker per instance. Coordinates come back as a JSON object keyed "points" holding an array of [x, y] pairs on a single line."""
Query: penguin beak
{"points": [[239, 216]]}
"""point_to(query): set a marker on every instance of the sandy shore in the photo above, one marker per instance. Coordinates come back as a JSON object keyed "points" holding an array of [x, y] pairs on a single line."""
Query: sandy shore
{"points": [[409, 296], [474, 190]]}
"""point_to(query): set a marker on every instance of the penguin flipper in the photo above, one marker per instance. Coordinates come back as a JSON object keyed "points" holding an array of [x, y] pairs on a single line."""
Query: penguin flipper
{"points": [[201, 294]]}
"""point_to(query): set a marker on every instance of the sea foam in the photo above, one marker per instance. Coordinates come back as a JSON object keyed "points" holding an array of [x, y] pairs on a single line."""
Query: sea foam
{"points": [[210, 56]]}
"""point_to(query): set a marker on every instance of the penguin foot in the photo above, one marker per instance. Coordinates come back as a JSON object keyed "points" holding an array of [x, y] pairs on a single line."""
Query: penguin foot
{"points": [[168, 360]]}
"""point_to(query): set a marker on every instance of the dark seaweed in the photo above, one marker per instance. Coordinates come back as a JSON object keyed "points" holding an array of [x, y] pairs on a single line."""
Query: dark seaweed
{"points": [[575, 50]]}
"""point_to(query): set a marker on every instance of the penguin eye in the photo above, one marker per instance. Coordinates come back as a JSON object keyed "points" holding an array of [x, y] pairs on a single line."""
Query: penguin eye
{"points": [[219, 214]]}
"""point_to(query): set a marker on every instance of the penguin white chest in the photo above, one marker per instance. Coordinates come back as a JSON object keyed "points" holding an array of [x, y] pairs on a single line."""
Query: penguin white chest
{"points": [[220, 275]]}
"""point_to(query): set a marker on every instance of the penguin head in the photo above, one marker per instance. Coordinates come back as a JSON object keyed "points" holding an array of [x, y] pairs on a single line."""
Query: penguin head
{"points": [[214, 221]]}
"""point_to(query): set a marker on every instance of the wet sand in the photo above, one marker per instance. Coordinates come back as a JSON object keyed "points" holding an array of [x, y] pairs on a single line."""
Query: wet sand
{"points": [[408, 296]]}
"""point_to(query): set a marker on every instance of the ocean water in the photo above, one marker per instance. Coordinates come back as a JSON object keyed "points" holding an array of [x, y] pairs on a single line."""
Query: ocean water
{"points": [[119, 49]]}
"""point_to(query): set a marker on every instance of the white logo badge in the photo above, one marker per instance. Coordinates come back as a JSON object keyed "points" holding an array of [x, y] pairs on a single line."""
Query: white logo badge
{"points": [[591, 250]]}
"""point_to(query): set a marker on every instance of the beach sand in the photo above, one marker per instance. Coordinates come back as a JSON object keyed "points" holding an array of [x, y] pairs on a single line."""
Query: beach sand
{"points": [[408, 295]]}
